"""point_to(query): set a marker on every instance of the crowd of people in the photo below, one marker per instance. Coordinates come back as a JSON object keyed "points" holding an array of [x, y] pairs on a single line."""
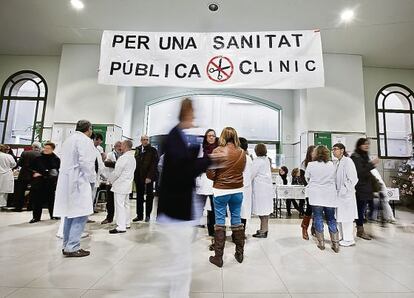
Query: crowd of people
{"points": [[218, 174]]}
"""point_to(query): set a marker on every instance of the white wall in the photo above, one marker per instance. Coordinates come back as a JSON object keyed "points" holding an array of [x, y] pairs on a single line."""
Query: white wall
{"points": [[374, 79], [78, 94], [340, 105], [47, 66]]}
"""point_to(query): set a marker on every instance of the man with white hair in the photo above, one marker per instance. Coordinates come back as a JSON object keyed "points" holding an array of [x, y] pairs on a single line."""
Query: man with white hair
{"points": [[121, 179], [25, 174]]}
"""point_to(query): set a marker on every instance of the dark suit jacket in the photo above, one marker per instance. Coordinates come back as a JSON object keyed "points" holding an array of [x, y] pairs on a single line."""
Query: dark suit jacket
{"points": [[147, 163], [181, 167], [25, 162]]}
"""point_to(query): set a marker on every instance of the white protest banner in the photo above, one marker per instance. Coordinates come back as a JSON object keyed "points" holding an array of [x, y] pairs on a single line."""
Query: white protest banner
{"points": [[270, 60]]}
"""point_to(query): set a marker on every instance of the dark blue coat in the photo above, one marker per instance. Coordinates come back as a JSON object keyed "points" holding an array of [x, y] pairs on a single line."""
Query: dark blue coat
{"points": [[181, 167]]}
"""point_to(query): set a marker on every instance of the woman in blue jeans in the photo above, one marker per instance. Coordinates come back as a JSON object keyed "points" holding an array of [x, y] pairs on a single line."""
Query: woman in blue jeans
{"points": [[321, 191], [228, 191]]}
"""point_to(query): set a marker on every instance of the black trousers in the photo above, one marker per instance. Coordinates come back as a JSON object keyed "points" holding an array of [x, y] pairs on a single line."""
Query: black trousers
{"points": [[110, 204], [148, 190], [308, 211], [295, 204], [42, 192], [21, 187], [362, 207]]}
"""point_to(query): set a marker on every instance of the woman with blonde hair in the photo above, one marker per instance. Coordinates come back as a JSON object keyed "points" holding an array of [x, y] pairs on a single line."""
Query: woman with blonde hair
{"points": [[321, 190], [227, 179]]}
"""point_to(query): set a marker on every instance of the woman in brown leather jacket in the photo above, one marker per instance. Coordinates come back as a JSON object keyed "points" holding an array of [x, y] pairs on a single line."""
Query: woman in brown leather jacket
{"points": [[228, 190]]}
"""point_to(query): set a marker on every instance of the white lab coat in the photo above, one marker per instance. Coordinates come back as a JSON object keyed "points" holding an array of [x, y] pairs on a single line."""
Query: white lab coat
{"points": [[123, 175], [77, 172], [7, 163], [262, 189], [321, 188], [246, 208], [346, 179], [204, 186]]}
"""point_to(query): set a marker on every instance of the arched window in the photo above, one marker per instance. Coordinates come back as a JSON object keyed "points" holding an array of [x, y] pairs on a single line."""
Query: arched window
{"points": [[395, 124], [22, 108]]}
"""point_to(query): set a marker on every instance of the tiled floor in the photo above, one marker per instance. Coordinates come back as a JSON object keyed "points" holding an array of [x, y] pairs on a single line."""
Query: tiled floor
{"points": [[127, 265]]}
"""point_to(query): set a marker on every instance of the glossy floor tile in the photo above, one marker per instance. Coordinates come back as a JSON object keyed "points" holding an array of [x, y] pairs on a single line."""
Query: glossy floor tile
{"points": [[133, 264]]}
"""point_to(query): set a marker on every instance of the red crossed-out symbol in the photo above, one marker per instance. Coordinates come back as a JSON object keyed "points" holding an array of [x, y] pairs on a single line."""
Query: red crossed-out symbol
{"points": [[219, 69]]}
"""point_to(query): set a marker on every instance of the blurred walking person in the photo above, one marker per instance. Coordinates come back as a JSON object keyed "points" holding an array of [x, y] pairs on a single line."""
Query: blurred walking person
{"points": [[364, 187], [176, 214]]}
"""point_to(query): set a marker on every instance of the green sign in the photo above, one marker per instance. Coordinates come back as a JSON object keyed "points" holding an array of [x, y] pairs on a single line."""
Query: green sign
{"points": [[323, 138], [100, 128]]}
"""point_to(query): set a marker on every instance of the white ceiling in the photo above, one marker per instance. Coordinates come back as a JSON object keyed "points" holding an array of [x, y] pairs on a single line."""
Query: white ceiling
{"points": [[383, 32]]}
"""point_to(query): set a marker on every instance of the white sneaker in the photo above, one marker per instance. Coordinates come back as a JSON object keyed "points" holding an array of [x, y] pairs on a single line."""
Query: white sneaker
{"points": [[346, 243]]}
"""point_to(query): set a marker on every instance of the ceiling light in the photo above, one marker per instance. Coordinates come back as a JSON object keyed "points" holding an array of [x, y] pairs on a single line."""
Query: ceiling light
{"points": [[77, 4], [347, 15]]}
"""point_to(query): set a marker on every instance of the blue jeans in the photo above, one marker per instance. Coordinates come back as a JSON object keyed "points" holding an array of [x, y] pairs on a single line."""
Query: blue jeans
{"points": [[220, 207], [72, 232], [318, 212]]}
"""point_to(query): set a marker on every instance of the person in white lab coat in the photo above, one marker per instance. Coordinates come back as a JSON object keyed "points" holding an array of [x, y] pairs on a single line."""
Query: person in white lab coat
{"points": [[73, 190], [110, 162], [321, 191], [121, 179], [246, 209], [346, 179], [7, 163], [262, 189]]}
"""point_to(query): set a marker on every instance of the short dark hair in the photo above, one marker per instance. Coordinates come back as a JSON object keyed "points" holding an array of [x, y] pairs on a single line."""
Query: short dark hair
{"points": [[51, 144], [322, 154], [285, 169], [99, 136], [243, 143], [83, 125], [342, 147], [260, 149], [93, 136]]}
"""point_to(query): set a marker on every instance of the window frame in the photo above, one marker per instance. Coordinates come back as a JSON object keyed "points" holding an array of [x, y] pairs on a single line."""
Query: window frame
{"points": [[382, 111], [11, 82]]}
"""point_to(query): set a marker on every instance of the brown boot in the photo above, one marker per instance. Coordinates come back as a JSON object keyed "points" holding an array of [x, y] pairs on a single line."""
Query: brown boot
{"points": [[361, 233], [238, 239], [211, 246], [321, 240], [335, 241], [219, 241], [305, 224]]}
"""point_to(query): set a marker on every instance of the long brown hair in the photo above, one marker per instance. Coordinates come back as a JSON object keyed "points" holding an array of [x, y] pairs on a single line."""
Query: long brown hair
{"points": [[308, 157]]}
